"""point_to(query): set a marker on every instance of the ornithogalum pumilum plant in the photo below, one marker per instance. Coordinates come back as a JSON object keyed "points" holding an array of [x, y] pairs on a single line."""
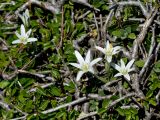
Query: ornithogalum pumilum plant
{"points": [[85, 65], [109, 51], [124, 70], [79, 59], [23, 37], [25, 18]]}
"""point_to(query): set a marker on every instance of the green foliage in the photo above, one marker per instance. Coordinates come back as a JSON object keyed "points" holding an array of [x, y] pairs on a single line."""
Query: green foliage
{"points": [[38, 77]]}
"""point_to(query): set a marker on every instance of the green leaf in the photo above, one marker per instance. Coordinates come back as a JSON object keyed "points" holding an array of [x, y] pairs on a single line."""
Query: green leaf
{"points": [[132, 36], [153, 102], [54, 103], [60, 114], [128, 29], [44, 104], [55, 58], [157, 66], [55, 73], [105, 103], [21, 98], [140, 63], [29, 106], [4, 84], [128, 117], [41, 91], [102, 110], [155, 85], [73, 115], [79, 27], [118, 32], [120, 111], [55, 91], [149, 93], [26, 82], [70, 87], [133, 110], [69, 98], [90, 15]]}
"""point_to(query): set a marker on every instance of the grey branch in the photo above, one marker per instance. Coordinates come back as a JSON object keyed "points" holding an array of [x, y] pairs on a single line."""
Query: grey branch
{"points": [[42, 86], [143, 32], [145, 68], [87, 115], [120, 99], [4, 105], [75, 102], [46, 5], [135, 3], [85, 3], [20, 118], [111, 105], [65, 105]]}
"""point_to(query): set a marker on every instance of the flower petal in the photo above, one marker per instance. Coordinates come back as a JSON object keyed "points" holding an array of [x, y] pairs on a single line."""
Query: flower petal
{"points": [[22, 18], [79, 75], [127, 76], [31, 39], [118, 68], [23, 32], [122, 64], [131, 69], [29, 32], [76, 65], [88, 57], [79, 57], [107, 44], [116, 49], [24, 42], [91, 70], [118, 74], [100, 49], [18, 35], [109, 59], [26, 13], [130, 64], [95, 61], [16, 41]]}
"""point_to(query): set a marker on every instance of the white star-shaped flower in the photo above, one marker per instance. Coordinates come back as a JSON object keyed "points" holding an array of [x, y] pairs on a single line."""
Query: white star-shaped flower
{"points": [[84, 65], [23, 37], [25, 17], [124, 70], [109, 51]]}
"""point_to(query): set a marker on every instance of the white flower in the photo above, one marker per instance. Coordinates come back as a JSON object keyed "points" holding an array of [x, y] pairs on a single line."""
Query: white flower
{"points": [[124, 70], [24, 17], [84, 65], [109, 51], [23, 37]]}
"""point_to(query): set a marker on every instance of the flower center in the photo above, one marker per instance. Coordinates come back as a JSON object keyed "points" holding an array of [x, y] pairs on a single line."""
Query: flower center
{"points": [[124, 71], [85, 67], [23, 39], [109, 52]]}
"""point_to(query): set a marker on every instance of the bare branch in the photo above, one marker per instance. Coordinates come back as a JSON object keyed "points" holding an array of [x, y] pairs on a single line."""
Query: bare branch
{"points": [[46, 5], [20, 118], [87, 115], [85, 3], [136, 3], [111, 105], [4, 105], [65, 105], [143, 33], [120, 99], [42, 86]]}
